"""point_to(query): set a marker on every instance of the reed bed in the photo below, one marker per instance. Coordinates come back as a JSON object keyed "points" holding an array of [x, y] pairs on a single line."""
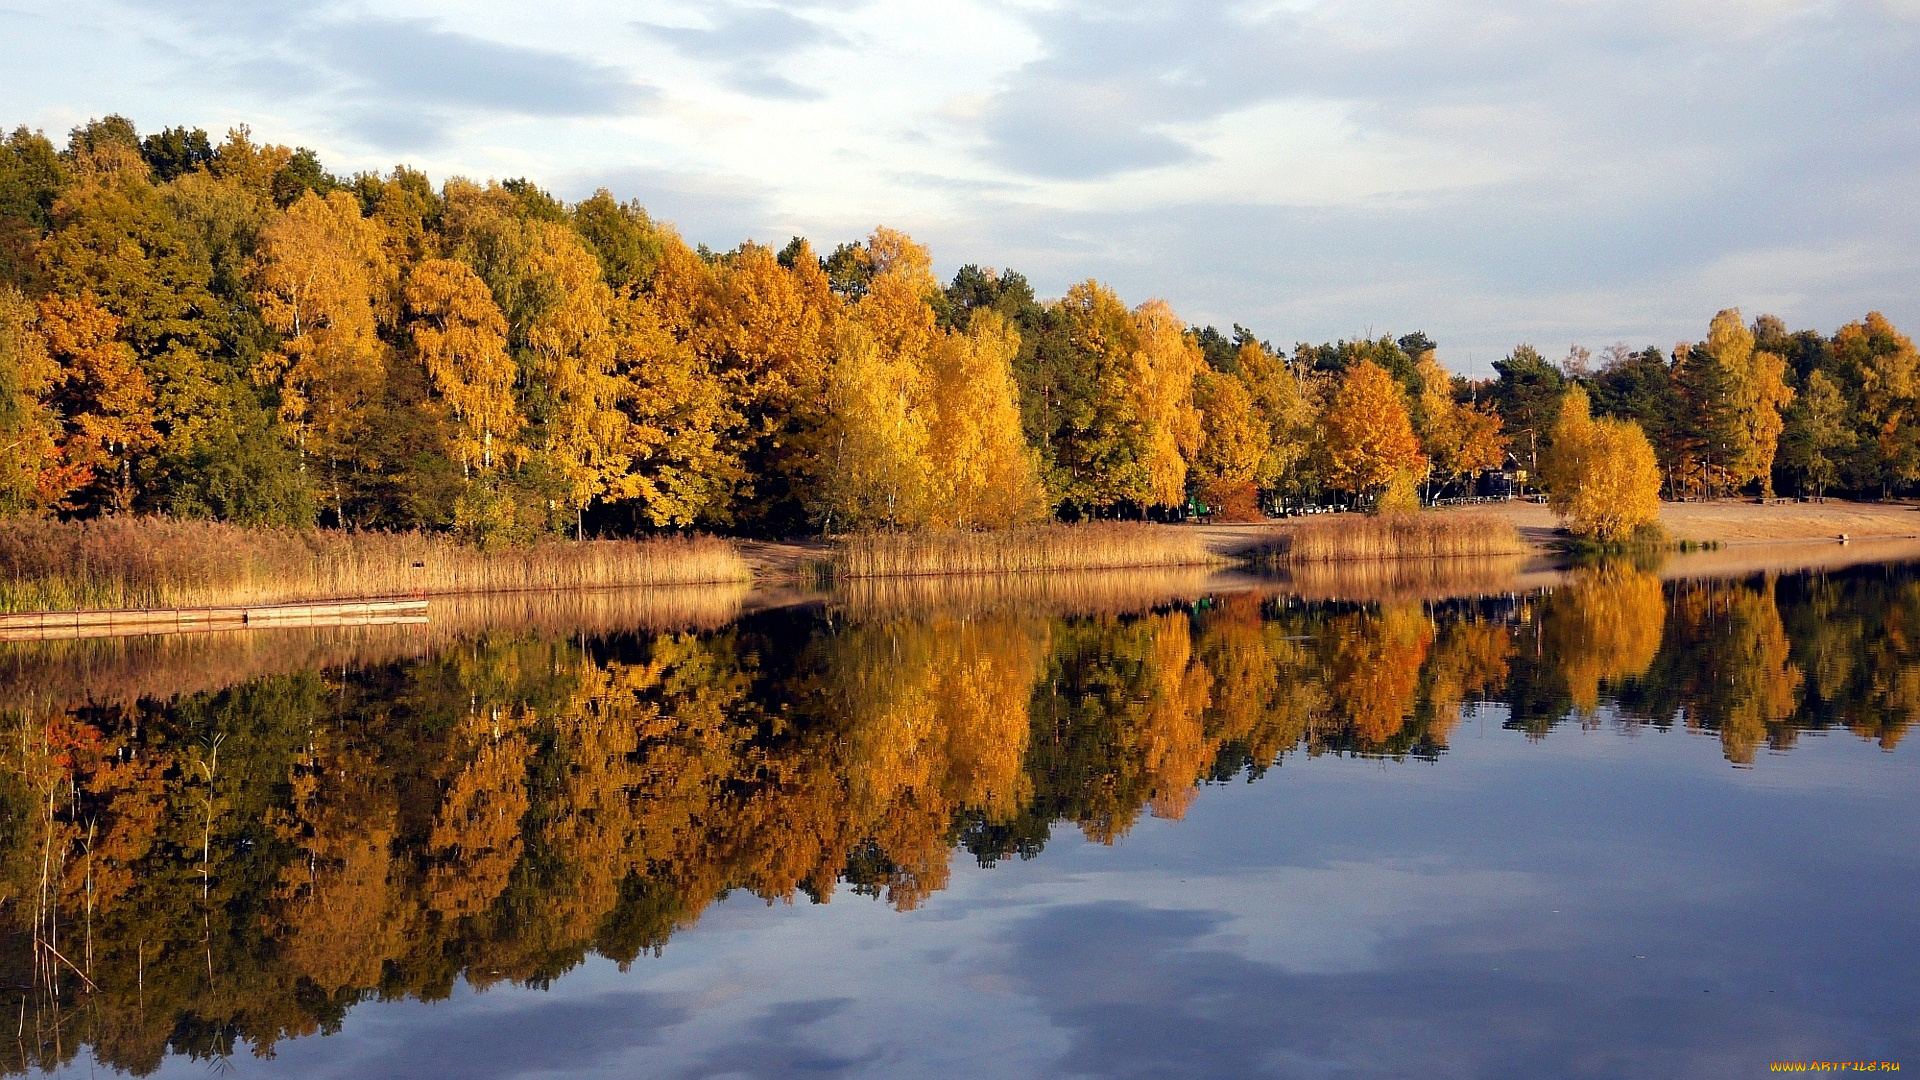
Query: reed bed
{"points": [[594, 613], [133, 563], [1352, 537], [1098, 546]]}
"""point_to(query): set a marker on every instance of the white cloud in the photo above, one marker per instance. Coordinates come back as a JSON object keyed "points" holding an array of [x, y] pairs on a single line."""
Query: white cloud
{"points": [[1487, 170]]}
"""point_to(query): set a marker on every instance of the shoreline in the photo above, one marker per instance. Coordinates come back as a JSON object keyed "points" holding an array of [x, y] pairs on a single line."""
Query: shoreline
{"points": [[1753, 538]]}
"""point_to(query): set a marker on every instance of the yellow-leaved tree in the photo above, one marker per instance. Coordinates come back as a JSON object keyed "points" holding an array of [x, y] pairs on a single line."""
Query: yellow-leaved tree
{"points": [[683, 435], [983, 473], [767, 333], [872, 467], [461, 339], [1368, 436], [583, 436], [323, 281], [1602, 478], [874, 464], [1459, 439], [1165, 362], [1288, 410], [1236, 441], [1758, 394]]}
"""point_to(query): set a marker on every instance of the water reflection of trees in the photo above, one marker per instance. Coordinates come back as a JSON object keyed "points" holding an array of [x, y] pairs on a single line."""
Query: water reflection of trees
{"points": [[241, 866]]}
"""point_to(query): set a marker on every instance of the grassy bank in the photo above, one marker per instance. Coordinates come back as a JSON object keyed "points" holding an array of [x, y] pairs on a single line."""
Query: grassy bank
{"points": [[1351, 537], [1099, 546], [158, 563]]}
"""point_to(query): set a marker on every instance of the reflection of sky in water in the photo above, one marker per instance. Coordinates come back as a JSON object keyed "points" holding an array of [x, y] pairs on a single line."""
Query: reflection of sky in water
{"points": [[1587, 905]]}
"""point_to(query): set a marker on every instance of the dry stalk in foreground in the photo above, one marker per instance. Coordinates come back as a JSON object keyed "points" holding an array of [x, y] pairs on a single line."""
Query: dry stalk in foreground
{"points": [[156, 563], [1101, 546]]}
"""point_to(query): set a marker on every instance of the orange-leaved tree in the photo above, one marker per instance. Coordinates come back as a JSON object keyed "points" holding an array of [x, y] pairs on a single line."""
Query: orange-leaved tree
{"points": [[1368, 436], [1460, 439], [104, 396], [34, 475]]}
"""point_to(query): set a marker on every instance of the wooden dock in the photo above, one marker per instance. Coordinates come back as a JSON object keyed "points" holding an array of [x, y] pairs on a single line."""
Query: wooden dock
{"points": [[50, 625]]}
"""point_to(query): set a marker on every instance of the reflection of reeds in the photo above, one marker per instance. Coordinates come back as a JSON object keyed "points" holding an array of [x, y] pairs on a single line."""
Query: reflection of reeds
{"points": [[591, 612], [1402, 536], [1398, 580], [1097, 546], [158, 563], [121, 671], [1086, 592]]}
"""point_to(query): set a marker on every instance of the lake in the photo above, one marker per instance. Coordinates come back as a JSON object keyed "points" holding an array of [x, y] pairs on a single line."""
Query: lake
{"points": [[1612, 821]]}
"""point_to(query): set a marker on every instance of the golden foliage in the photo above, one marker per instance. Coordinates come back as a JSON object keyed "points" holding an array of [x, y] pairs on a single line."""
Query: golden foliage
{"points": [[1368, 435], [1290, 414], [1758, 394], [322, 279], [982, 472], [1603, 627], [1603, 479], [1459, 439], [1236, 442], [106, 399], [1165, 362], [461, 337], [32, 477]]}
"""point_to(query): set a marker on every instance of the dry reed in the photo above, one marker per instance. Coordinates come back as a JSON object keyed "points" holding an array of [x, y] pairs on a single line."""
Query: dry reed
{"points": [[1100, 546], [120, 563], [1408, 536]]}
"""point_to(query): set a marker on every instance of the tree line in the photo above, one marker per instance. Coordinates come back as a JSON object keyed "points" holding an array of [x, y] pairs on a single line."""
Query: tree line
{"points": [[231, 331]]}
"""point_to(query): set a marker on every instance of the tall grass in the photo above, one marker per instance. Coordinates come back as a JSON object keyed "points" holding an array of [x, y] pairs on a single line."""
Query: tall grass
{"points": [[1099, 546], [159, 563], [1408, 536]]}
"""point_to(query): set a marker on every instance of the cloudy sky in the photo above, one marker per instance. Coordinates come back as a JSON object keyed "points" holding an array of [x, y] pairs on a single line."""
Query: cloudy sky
{"points": [[1489, 171]]}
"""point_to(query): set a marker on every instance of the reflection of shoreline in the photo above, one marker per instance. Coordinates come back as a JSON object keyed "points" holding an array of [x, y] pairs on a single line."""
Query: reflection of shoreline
{"points": [[124, 670]]}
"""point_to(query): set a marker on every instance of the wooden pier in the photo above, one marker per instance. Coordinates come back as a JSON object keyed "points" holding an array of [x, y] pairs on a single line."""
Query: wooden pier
{"points": [[49, 625]]}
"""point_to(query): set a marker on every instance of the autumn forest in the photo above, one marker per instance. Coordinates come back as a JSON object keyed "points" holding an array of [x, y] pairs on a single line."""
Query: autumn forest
{"points": [[229, 331]]}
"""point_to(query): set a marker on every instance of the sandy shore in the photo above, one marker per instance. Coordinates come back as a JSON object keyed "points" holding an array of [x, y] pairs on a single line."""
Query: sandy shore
{"points": [[1748, 522], [1729, 522]]}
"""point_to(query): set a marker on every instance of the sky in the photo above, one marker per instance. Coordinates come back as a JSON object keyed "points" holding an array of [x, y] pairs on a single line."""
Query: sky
{"points": [[1487, 171]]}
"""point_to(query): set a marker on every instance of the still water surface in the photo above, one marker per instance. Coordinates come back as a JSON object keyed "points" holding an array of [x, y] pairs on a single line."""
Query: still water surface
{"points": [[1618, 827]]}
